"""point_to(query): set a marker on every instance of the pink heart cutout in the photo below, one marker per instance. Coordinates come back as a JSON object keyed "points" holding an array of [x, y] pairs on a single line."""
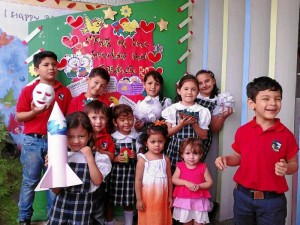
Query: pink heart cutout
{"points": [[147, 27], [62, 64], [70, 42], [74, 22], [154, 57]]}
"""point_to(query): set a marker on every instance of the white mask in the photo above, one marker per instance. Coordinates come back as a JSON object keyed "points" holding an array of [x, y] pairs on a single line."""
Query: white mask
{"points": [[43, 94]]}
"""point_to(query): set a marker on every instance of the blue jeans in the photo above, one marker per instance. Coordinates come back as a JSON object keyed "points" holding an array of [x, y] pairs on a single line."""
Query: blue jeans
{"points": [[248, 211], [33, 160]]}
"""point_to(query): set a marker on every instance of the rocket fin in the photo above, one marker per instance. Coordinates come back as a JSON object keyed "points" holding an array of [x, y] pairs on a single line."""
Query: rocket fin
{"points": [[46, 181], [71, 178]]}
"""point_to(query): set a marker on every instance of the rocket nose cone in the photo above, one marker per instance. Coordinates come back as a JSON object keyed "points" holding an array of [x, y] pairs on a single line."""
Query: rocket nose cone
{"points": [[57, 123]]}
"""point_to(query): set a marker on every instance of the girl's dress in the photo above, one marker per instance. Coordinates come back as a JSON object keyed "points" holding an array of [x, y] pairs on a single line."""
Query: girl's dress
{"points": [[155, 193], [73, 205], [171, 115], [123, 174], [210, 104], [188, 204]]}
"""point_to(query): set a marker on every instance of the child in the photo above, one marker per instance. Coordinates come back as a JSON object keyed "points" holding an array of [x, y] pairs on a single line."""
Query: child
{"points": [[98, 113], [207, 97], [96, 87], [73, 205], [153, 186], [265, 151], [153, 84], [185, 118], [123, 171], [192, 180], [35, 119]]}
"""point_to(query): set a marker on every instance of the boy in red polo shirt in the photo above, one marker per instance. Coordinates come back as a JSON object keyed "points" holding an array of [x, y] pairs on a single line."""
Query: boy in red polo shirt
{"points": [[97, 82], [265, 151], [97, 111], [35, 120]]}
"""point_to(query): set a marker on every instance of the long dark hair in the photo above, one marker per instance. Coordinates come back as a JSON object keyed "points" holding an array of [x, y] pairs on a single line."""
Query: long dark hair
{"points": [[215, 90]]}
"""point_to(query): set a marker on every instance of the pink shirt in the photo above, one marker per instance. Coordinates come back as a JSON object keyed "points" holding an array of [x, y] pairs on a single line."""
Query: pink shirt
{"points": [[196, 176]]}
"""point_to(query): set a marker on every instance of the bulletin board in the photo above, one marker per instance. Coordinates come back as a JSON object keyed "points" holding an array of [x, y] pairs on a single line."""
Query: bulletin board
{"points": [[127, 40]]}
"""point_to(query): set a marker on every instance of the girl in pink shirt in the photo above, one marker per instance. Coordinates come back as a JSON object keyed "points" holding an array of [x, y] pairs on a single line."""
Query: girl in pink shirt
{"points": [[192, 180]]}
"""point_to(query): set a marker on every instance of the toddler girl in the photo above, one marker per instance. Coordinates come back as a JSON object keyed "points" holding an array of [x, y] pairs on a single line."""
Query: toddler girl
{"points": [[73, 205], [192, 180], [153, 184], [185, 118]]}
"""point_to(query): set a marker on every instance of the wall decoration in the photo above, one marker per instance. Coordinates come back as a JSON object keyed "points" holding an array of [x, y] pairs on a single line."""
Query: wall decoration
{"points": [[127, 41]]}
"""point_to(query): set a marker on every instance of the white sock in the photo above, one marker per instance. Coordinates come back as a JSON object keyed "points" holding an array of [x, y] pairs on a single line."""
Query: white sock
{"points": [[128, 216], [110, 223]]}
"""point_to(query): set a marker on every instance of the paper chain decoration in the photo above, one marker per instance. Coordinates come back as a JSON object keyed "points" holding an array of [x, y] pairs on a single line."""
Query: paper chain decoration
{"points": [[181, 25]]}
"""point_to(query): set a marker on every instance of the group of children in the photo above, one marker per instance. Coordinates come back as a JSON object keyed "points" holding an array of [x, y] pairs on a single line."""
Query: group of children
{"points": [[124, 162]]}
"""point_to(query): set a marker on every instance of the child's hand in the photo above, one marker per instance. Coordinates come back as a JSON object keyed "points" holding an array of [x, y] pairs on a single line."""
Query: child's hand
{"points": [[281, 167], [140, 206], [132, 154], [187, 120], [46, 160], [38, 110], [170, 201], [191, 186], [122, 158], [87, 152], [221, 163]]}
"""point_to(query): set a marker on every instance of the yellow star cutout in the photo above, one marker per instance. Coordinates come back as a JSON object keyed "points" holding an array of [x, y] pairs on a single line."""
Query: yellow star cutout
{"points": [[163, 25], [109, 14]]}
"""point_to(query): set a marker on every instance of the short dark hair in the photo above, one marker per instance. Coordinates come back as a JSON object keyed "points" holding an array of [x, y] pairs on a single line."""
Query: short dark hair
{"points": [[262, 84], [96, 106], [37, 58], [101, 72]]}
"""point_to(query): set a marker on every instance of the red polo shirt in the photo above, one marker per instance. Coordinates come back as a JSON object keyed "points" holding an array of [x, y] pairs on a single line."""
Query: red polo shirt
{"points": [[259, 151], [105, 142], [38, 125]]}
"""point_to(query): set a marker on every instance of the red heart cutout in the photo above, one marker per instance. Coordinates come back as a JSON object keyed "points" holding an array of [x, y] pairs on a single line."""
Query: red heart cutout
{"points": [[75, 22], [154, 57], [70, 42], [62, 64], [147, 27], [158, 69]]}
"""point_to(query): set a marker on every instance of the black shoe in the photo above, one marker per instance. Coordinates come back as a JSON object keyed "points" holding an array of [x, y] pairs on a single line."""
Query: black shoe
{"points": [[212, 214], [26, 222]]}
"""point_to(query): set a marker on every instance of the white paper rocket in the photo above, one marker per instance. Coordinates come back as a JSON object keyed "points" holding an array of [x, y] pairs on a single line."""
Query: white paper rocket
{"points": [[59, 173]]}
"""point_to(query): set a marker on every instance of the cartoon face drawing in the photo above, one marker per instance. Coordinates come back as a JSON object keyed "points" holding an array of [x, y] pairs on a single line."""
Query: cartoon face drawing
{"points": [[43, 94]]}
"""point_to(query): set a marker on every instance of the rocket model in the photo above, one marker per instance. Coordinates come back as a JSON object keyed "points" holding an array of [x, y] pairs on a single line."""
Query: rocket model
{"points": [[58, 174]]}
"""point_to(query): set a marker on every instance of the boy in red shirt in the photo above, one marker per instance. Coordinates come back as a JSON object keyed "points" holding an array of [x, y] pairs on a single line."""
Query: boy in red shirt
{"points": [[97, 111], [35, 120], [96, 90], [265, 151]]}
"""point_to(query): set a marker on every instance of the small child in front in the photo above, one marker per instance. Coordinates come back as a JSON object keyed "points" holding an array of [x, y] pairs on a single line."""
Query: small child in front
{"points": [[153, 186], [265, 151], [192, 180]]}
